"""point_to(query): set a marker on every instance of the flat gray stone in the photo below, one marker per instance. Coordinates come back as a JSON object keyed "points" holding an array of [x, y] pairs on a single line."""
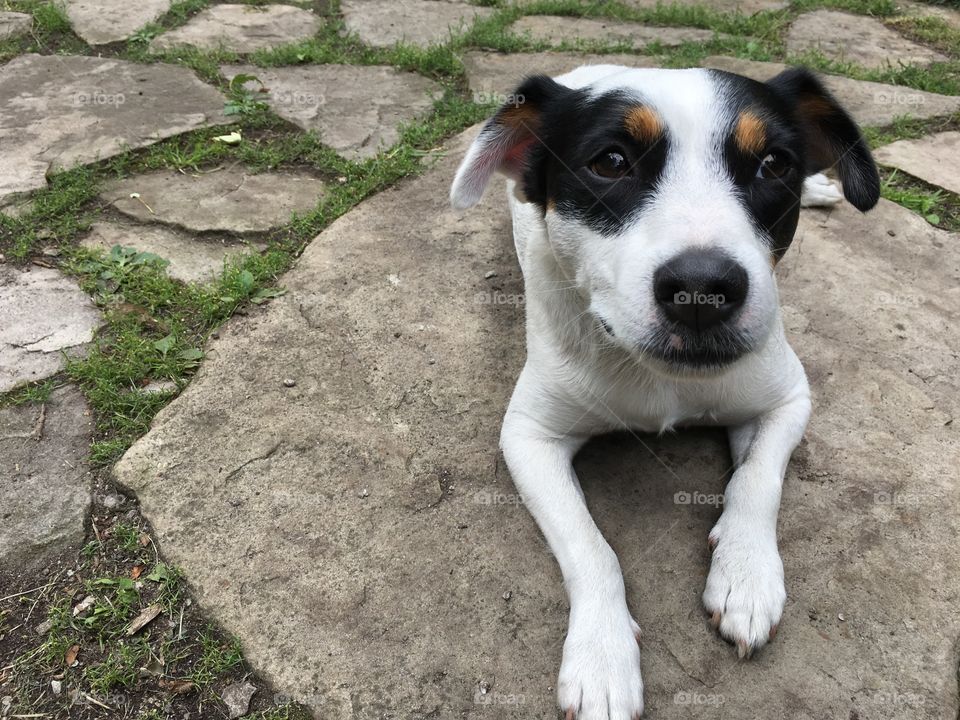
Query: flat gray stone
{"points": [[356, 109], [228, 200], [857, 39], [382, 23], [746, 7], [14, 24], [43, 314], [64, 110], [555, 29], [191, 259], [105, 21], [870, 103], [934, 159], [358, 532], [492, 76], [44, 477], [242, 28]]}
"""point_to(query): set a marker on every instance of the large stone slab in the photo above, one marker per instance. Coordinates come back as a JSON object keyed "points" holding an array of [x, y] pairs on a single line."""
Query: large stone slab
{"points": [[61, 111], [492, 76], [382, 23], [14, 24], [105, 21], [191, 259], [360, 535], [227, 200], [43, 315], [928, 10], [556, 29], [356, 109], [44, 477], [870, 103], [747, 7], [857, 39], [242, 28], [934, 158]]}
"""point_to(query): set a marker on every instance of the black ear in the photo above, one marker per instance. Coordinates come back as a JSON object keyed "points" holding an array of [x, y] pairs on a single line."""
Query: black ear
{"points": [[506, 141], [830, 135]]}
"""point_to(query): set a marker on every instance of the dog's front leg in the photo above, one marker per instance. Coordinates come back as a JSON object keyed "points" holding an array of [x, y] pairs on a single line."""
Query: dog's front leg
{"points": [[600, 672], [745, 592]]}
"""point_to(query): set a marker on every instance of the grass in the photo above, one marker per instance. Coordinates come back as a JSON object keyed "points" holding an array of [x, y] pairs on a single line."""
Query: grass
{"points": [[937, 206]]}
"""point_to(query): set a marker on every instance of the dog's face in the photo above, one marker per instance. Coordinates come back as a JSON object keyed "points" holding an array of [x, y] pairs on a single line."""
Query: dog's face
{"points": [[669, 195]]}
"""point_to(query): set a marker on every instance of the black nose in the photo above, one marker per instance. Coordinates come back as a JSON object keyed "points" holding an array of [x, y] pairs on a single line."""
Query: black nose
{"points": [[700, 288]]}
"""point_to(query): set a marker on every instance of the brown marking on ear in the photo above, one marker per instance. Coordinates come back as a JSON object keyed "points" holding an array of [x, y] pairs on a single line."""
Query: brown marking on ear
{"points": [[551, 204], [750, 133], [643, 123], [520, 117], [814, 108]]}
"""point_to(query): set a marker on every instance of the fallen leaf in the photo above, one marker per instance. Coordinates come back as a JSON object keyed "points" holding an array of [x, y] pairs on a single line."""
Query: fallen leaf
{"points": [[233, 138], [70, 658], [177, 687], [146, 616], [143, 539], [136, 571]]}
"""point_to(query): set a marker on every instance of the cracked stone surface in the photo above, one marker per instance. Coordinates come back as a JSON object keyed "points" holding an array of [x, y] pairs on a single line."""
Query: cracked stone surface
{"points": [[14, 24], [42, 315], [44, 477], [62, 110], [382, 23], [358, 530], [242, 28], [855, 38], [747, 7], [555, 29], [494, 74], [105, 21], [870, 103], [356, 109], [934, 158], [191, 259], [228, 200]]}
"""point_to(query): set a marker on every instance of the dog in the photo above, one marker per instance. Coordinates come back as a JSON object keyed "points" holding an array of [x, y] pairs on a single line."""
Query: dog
{"points": [[650, 208]]}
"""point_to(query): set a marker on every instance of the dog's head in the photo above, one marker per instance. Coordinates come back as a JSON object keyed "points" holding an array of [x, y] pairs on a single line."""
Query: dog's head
{"points": [[669, 195]]}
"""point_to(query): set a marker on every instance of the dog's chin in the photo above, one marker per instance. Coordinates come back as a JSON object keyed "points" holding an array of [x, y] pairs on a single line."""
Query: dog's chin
{"points": [[677, 352]]}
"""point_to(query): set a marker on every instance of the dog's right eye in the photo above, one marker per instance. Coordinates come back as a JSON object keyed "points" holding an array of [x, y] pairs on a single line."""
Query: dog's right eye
{"points": [[610, 164]]}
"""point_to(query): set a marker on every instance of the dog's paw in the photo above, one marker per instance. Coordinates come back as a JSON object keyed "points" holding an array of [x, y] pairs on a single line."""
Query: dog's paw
{"points": [[600, 673], [745, 594], [820, 191]]}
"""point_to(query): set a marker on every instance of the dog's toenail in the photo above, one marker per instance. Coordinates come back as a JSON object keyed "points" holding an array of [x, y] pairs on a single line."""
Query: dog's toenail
{"points": [[773, 631], [715, 620]]}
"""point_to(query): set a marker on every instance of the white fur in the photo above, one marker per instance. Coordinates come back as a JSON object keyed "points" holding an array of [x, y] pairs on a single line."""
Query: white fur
{"points": [[578, 382]]}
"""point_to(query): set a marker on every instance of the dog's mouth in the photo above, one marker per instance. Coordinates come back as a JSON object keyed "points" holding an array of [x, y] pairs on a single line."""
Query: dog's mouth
{"points": [[682, 350]]}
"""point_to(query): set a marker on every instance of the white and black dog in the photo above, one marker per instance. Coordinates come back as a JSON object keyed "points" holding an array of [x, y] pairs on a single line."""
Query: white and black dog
{"points": [[650, 208]]}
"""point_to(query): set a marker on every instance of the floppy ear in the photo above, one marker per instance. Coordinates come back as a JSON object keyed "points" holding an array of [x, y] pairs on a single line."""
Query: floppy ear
{"points": [[506, 141], [831, 136]]}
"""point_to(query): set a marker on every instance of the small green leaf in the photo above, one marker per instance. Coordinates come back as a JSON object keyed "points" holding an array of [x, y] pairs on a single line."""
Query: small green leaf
{"points": [[933, 219], [246, 280], [190, 354], [264, 294], [166, 344], [161, 573]]}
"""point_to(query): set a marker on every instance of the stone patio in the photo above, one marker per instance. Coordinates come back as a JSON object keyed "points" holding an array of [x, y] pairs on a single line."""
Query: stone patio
{"points": [[330, 481]]}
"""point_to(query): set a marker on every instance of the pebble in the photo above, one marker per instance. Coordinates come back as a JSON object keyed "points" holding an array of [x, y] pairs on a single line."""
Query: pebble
{"points": [[44, 627], [507, 595], [56, 687], [489, 274], [237, 698], [289, 382], [112, 501], [363, 493]]}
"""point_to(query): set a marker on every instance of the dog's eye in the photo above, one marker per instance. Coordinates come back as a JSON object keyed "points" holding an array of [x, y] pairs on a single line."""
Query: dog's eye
{"points": [[610, 164], [774, 165]]}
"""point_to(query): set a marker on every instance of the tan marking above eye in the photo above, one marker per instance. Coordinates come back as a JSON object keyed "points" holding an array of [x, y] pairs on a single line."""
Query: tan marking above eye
{"points": [[750, 133], [643, 123], [520, 117]]}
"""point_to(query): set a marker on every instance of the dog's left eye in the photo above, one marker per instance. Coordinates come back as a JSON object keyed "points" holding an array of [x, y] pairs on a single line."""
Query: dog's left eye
{"points": [[610, 164], [774, 165]]}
